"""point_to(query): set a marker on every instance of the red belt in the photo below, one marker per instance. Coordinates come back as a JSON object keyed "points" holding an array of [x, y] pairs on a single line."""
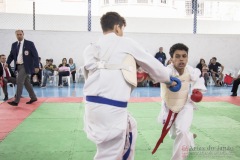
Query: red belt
{"points": [[165, 130]]}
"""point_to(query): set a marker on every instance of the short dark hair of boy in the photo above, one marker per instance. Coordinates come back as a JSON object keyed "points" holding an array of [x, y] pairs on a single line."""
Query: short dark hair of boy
{"points": [[2, 55], [178, 46], [110, 19]]}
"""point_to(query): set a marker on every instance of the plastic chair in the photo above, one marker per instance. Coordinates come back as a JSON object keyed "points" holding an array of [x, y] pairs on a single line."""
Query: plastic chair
{"points": [[13, 87], [54, 77], [80, 75]]}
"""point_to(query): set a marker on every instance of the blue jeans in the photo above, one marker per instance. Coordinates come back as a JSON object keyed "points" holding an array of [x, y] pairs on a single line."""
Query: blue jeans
{"points": [[46, 74]]}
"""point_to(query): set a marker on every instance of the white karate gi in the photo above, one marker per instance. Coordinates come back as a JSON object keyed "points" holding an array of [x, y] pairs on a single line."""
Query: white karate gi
{"points": [[107, 125], [180, 130]]}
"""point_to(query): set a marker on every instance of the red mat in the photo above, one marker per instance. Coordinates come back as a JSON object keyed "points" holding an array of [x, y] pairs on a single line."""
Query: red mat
{"points": [[12, 116], [229, 99]]}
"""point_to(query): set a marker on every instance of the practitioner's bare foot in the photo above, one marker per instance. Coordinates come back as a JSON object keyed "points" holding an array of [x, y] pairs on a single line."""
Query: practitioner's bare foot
{"points": [[194, 135]]}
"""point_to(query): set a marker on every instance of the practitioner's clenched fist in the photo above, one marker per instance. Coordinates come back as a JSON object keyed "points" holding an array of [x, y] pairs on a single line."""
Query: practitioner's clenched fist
{"points": [[175, 84], [196, 95]]}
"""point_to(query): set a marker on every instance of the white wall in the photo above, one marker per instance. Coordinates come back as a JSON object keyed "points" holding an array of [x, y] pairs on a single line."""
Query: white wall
{"points": [[58, 45], [52, 7], [134, 25]]}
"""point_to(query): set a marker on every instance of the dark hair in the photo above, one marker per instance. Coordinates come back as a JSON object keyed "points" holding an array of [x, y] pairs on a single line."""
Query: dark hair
{"points": [[124, 22], [64, 59], [69, 60], [201, 60], [214, 58], [178, 46], [2, 55], [110, 19], [19, 30]]}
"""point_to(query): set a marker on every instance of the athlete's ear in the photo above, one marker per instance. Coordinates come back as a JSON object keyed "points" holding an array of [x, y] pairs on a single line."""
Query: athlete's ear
{"points": [[115, 29]]}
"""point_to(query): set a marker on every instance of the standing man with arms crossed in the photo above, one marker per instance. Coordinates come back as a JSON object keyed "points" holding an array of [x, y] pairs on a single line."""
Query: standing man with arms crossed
{"points": [[25, 57], [110, 72]]}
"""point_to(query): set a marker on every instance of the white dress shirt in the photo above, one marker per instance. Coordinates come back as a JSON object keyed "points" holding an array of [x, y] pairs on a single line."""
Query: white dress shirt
{"points": [[4, 73], [20, 53]]}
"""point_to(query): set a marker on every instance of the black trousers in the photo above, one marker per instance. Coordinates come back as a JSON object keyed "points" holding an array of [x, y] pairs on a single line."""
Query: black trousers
{"points": [[235, 85], [73, 75], [61, 74]]}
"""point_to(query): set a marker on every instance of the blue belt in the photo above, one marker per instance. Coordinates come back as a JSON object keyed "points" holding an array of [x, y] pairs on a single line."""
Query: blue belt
{"points": [[102, 100]]}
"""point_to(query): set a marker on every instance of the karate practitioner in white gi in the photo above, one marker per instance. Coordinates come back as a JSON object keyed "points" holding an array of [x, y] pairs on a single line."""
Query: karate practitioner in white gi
{"points": [[180, 102], [110, 78]]}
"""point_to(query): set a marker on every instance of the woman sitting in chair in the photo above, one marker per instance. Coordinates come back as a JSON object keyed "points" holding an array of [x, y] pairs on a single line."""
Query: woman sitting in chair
{"points": [[72, 69], [63, 70]]}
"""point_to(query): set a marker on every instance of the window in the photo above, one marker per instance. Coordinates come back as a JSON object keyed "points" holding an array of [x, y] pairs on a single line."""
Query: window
{"points": [[189, 8], [164, 1], [200, 9], [142, 1], [121, 1]]}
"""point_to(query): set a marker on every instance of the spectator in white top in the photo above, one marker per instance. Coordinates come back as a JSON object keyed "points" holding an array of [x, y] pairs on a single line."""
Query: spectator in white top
{"points": [[72, 69]]}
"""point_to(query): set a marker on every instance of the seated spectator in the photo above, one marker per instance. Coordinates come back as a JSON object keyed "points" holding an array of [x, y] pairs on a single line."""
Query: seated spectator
{"points": [[48, 70], [210, 62], [142, 78], [72, 69], [38, 75], [204, 70], [8, 76], [161, 56], [63, 70], [215, 72], [199, 65], [205, 73], [236, 83]]}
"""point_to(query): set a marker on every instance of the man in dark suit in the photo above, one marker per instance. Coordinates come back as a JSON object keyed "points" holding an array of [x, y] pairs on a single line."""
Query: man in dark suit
{"points": [[25, 57], [8, 76], [161, 56]]}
